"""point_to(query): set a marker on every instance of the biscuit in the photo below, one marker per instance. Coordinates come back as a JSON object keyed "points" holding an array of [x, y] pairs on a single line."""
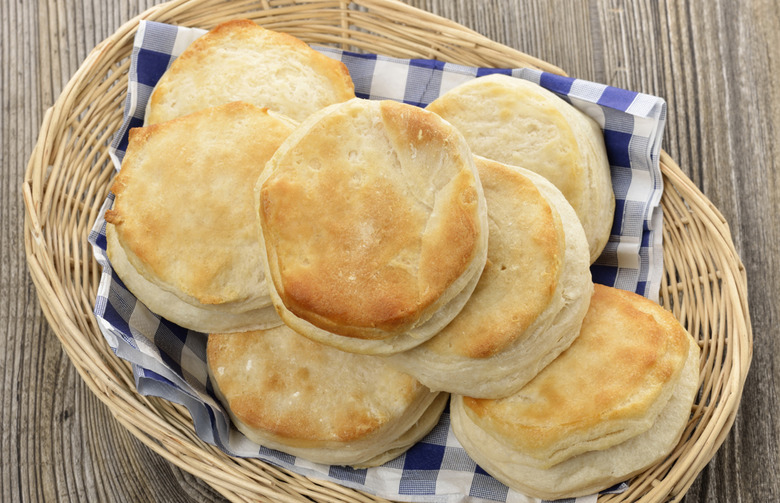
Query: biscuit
{"points": [[241, 61], [611, 405], [530, 300], [520, 123], [289, 393], [374, 226], [182, 233]]}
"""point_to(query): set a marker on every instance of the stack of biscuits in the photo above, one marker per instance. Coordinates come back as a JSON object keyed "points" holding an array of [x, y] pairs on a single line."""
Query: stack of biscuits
{"points": [[356, 263]]}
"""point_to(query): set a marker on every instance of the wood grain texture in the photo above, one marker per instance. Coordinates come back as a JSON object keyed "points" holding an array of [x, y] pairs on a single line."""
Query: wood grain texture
{"points": [[715, 62]]}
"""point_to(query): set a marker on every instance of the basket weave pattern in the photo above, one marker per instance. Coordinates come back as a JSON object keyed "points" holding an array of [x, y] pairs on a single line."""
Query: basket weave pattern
{"points": [[69, 174]]}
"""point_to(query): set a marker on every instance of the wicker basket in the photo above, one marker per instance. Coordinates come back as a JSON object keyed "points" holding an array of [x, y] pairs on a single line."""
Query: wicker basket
{"points": [[69, 174]]}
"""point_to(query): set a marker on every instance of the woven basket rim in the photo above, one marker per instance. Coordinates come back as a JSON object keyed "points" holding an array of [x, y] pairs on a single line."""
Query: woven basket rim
{"points": [[705, 283]]}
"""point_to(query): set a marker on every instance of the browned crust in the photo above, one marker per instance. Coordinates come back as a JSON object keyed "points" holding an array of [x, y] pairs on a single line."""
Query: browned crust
{"points": [[293, 392], [179, 228], [526, 285], [599, 379], [384, 269]]}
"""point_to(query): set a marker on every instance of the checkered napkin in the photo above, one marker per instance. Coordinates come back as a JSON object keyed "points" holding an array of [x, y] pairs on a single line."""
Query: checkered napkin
{"points": [[169, 361]]}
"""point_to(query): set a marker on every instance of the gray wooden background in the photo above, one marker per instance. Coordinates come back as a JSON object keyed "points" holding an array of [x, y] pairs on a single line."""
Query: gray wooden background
{"points": [[716, 63]]}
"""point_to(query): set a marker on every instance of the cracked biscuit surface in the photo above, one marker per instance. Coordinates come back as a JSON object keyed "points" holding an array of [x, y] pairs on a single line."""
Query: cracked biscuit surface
{"points": [[374, 225]]}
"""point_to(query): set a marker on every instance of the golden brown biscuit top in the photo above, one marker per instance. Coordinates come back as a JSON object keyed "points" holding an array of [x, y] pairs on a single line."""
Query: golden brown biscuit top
{"points": [[184, 208], [241, 61], [629, 350], [287, 385], [526, 246], [369, 213]]}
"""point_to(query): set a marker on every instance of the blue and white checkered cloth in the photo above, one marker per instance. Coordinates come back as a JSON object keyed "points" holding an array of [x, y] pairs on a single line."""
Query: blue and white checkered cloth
{"points": [[169, 361]]}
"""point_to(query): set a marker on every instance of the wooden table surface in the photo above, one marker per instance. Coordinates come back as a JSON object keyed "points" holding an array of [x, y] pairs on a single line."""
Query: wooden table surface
{"points": [[715, 62]]}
